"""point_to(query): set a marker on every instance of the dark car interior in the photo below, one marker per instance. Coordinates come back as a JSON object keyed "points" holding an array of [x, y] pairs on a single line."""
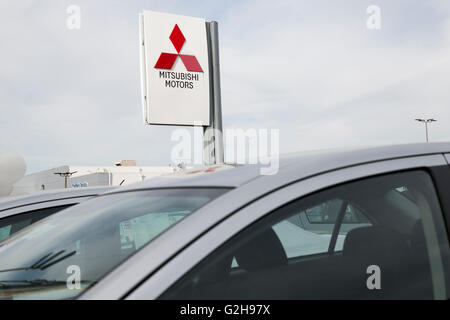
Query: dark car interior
{"points": [[394, 241]]}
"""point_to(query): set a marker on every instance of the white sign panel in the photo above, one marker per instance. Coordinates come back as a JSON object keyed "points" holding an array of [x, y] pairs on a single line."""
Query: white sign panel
{"points": [[174, 69]]}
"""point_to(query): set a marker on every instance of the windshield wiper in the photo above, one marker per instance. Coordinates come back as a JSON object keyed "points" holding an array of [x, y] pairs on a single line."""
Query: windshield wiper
{"points": [[6, 284], [49, 262], [46, 261]]}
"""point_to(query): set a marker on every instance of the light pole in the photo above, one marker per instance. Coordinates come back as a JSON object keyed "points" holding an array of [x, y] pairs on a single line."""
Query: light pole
{"points": [[66, 176], [426, 121]]}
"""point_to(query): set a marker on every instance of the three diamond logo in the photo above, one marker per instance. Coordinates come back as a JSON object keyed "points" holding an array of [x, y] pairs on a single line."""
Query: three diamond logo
{"points": [[167, 60]]}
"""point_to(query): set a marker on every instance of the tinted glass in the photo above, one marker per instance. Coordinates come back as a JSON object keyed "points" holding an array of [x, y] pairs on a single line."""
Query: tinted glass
{"points": [[380, 238], [63, 255], [13, 224]]}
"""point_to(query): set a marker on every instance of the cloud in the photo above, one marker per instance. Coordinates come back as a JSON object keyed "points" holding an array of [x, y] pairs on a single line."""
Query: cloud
{"points": [[332, 82], [310, 68]]}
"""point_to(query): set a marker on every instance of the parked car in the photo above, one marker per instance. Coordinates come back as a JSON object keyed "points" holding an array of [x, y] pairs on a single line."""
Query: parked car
{"points": [[17, 213], [368, 223]]}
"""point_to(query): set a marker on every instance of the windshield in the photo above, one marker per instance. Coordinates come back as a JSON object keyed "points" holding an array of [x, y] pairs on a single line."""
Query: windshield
{"points": [[66, 253]]}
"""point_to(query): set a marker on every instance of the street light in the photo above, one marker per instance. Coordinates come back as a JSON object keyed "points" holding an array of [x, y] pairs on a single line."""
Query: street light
{"points": [[426, 121], [66, 176]]}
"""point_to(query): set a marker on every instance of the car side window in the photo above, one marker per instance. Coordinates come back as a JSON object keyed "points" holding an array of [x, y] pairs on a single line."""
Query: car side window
{"points": [[310, 231], [136, 232], [15, 223], [377, 238]]}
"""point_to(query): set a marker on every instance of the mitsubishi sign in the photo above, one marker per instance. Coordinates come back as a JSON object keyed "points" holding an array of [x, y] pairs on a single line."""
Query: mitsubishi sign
{"points": [[174, 69]]}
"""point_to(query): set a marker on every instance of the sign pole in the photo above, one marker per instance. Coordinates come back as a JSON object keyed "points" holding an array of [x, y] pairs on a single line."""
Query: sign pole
{"points": [[215, 98]]}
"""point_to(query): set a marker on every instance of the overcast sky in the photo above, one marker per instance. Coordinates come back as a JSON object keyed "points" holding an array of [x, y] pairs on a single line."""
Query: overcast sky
{"points": [[310, 68]]}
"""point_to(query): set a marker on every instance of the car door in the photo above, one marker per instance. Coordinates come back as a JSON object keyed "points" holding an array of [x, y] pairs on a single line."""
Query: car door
{"points": [[394, 232]]}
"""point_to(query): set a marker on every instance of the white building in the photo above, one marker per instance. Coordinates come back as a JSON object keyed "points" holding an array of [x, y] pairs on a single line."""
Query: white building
{"points": [[123, 173]]}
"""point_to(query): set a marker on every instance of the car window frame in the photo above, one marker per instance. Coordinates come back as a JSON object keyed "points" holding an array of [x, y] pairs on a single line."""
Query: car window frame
{"points": [[441, 290], [7, 213], [441, 179], [447, 157], [42, 205], [159, 278], [20, 218]]}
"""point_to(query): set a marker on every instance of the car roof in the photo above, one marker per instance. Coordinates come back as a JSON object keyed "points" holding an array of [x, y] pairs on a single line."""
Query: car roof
{"points": [[293, 166], [51, 195], [250, 185]]}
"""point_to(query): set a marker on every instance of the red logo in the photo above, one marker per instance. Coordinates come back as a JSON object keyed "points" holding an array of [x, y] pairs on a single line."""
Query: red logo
{"points": [[167, 60]]}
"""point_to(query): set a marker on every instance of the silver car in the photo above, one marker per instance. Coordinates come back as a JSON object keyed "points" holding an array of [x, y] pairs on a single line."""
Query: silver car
{"points": [[17, 213], [342, 224]]}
